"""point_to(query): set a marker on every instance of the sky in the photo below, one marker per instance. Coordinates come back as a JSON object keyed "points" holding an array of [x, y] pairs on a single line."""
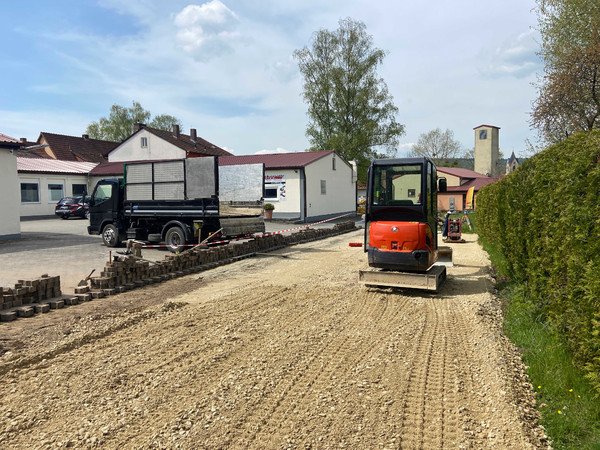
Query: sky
{"points": [[226, 67]]}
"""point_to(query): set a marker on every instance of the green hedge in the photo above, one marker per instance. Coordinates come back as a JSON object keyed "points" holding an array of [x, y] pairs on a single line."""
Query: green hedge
{"points": [[545, 219]]}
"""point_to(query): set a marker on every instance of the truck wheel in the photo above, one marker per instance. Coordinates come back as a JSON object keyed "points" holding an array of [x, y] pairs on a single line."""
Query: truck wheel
{"points": [[175, 239], [110, 236]]}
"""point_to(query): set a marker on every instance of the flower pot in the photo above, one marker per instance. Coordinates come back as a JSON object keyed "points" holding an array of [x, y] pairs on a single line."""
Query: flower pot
{"points": [[268, 214]]}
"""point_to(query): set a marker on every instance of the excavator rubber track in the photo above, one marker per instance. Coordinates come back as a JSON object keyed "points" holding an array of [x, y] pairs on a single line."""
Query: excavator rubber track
{"points": [[432, 280]]}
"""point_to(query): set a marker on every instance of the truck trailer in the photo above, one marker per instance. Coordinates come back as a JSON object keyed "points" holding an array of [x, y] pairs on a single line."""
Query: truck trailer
{"points": [[178, 202]]}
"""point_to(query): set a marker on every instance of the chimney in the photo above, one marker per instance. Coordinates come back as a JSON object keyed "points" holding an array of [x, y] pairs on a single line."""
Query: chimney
{"points": [[138, 126], [193, 135], [85, 137], [23, 140], [176, 131]]}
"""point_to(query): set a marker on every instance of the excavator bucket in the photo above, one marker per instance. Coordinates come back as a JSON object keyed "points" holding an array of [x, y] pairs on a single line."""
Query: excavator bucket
{"points": [[444, 257]]}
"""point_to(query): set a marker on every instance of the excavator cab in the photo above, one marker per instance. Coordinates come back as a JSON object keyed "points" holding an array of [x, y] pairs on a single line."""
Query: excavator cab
{"points": [[401, 214]]}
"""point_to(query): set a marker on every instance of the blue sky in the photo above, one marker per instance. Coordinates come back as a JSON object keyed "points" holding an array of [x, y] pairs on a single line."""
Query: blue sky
{"points": [[226, 67]]}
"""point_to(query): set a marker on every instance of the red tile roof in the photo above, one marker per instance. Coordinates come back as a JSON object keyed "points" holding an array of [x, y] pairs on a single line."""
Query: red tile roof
{"points": [[33, 153], [276, 160], [460, 172], [5, 138], [477, 183], [8, 143], [72, 148], [185, 142], [44, 165]]}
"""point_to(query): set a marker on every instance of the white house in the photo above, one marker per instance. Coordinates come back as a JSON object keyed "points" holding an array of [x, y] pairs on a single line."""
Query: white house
{"points": [[148, 143], [305, 186], [10, 227], [43, 182]]}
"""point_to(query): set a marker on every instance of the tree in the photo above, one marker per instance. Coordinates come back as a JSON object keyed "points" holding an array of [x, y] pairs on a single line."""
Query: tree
{"points": [[119, 124], [349, 107], [569, 89], [438, 145]]}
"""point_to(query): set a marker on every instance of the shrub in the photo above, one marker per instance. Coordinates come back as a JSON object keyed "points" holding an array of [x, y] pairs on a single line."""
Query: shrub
{"points": [[545, 219]]}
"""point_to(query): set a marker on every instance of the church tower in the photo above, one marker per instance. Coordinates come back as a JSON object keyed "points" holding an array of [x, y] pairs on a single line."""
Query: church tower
{"points": [[487, 150]]}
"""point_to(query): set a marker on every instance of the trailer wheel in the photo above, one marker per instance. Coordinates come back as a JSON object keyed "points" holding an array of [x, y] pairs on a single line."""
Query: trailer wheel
{"points": [[175, 239], [110, 236]]}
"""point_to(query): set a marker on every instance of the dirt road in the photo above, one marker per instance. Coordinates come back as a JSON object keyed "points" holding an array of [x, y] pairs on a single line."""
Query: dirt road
{"points": [[272, 352]]}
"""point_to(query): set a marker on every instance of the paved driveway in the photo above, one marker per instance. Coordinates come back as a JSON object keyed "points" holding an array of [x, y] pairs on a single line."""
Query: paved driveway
{"points": [[63, 247]]}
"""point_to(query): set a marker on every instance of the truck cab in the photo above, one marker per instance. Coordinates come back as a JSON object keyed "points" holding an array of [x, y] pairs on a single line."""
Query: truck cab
{"points": [[106, 211]]}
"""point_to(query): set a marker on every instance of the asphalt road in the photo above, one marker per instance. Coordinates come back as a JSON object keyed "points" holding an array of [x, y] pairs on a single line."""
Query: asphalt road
{"points": [[63, 247]]}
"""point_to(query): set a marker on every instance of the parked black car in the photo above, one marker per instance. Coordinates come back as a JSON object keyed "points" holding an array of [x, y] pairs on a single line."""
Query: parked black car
{"points": [[77, 206]]}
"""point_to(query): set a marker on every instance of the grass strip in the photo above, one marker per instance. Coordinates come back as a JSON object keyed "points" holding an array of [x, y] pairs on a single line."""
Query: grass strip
{"points": [[565, 398]]}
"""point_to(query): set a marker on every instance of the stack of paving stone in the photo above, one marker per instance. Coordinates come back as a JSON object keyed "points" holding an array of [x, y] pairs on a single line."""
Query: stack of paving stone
{"points": [[130, 271], [28, 297]]}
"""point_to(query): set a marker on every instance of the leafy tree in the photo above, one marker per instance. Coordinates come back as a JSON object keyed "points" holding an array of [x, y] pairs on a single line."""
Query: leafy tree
{"points": [[569, 90], [119, 124], [438, 145], [164, 122], [349, 107]]}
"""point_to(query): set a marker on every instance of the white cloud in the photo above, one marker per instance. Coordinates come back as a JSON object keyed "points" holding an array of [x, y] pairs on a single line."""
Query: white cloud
{"points": [[516, 57], [206, 30], [270, 152]]}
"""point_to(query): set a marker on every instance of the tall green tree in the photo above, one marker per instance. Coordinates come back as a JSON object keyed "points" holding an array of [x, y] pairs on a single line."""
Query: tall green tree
{"points": [[350, 109], [438, 145], [569, 89], [118, 126]]}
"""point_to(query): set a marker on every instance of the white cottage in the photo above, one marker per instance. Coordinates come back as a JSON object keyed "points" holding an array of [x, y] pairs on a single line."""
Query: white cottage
{"points": [[305, 186], [147, 143]]}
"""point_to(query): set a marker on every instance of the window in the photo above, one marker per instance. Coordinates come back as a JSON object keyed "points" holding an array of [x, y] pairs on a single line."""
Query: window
{"points": [[272, 192], [55, 192], [79, 189], [144, 142], [30, 193], [323, 187], [102, 193], [397, 185], [333, 163]]}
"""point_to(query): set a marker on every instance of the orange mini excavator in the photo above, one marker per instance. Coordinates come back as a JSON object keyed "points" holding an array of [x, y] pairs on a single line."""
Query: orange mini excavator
{"points": [[401, 238]]}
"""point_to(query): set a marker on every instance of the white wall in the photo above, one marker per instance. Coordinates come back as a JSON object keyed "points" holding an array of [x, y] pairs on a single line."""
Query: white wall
{"points": [[340, 190], [10, 226], [45, 205], [288, 206], [157, 148]]}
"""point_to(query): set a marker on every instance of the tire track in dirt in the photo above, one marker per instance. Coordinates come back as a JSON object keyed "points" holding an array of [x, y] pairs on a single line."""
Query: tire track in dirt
{"points": [[331, 367], [292, 395], [218, 367]]}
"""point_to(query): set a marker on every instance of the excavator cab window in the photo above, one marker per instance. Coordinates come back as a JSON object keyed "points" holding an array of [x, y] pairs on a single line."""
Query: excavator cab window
{"points": [[397, 185]]}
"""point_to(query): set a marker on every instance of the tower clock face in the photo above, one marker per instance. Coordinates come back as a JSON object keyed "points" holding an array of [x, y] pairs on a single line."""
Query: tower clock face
{"points": [[482, 134]]}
